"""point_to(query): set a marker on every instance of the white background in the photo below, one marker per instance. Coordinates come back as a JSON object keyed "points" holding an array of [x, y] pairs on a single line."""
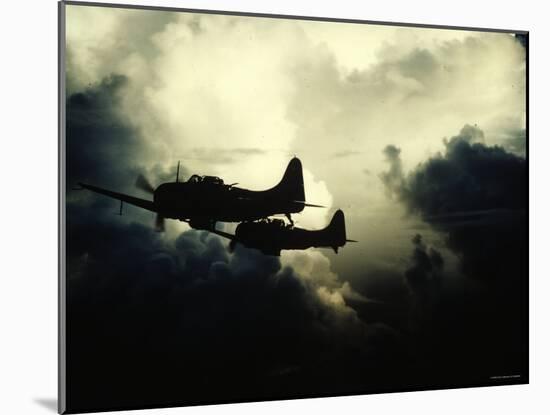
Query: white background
{"points": [[28, 204]]}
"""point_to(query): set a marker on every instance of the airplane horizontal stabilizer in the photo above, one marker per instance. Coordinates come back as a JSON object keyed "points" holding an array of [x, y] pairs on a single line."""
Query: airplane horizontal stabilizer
{"points": [[309, 204]]}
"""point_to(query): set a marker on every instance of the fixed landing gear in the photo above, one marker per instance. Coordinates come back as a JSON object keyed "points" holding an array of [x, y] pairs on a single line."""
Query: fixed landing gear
{"points": [[289, 218]]}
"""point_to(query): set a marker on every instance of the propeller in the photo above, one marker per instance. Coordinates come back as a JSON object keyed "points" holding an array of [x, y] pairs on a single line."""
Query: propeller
{"points": [[144, 184]]}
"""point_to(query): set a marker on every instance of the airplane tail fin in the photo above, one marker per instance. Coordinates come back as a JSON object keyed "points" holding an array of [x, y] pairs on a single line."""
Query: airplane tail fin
{"points": [[336, 231], [291, 186], [337, 228]]}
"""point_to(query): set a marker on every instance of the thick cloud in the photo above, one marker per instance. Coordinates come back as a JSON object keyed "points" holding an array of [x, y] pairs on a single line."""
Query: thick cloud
{"points": [[425, 280], [208, 81], [104, 148], [475, 195], [162, 315], [411, 83], [425, 268], [515, 141], [99, 142], [175, 316], [163, 318], [469, 177]]}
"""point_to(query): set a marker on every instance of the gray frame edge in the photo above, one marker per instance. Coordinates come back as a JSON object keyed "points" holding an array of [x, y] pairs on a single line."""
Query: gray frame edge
{"points": [[62, 381], [62, 329], [292, 17]]}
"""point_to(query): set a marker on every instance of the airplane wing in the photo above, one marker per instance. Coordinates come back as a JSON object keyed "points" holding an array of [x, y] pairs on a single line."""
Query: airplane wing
{"points": [[224, 234], [142, 203], [267, 251]]}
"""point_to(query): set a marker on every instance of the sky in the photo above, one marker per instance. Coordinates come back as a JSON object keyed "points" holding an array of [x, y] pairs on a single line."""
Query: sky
{"points": [[418, 135]]}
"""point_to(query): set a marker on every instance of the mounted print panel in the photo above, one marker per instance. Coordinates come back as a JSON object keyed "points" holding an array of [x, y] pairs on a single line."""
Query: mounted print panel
{"points": [[272, 207]]}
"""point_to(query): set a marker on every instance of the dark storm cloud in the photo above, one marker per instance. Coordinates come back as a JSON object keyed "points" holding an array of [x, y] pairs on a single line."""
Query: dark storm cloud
{"points": [[423, 277], [389, 297], [103, 148], [99, 142], [163, 316], [163, 321], [426, 265], [469, 176], [515, 141], [194, 318], [476, 195]]}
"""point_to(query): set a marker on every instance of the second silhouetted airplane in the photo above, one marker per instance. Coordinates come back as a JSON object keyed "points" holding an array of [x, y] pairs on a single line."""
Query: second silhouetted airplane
{"points": [[272, 235]]}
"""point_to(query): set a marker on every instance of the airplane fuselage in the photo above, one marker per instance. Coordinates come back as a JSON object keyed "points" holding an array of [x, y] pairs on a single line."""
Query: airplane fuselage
{"points": [[274, 240], [219, 202], [271, 237]]}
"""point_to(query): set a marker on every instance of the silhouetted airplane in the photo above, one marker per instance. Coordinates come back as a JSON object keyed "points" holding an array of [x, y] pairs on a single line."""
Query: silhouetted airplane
{"points": [[272, 235], [204, 200]]}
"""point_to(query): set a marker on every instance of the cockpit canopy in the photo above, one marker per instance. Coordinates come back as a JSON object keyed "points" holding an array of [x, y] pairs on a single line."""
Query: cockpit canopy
{"points": [[205, 179], [272, 223]]}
